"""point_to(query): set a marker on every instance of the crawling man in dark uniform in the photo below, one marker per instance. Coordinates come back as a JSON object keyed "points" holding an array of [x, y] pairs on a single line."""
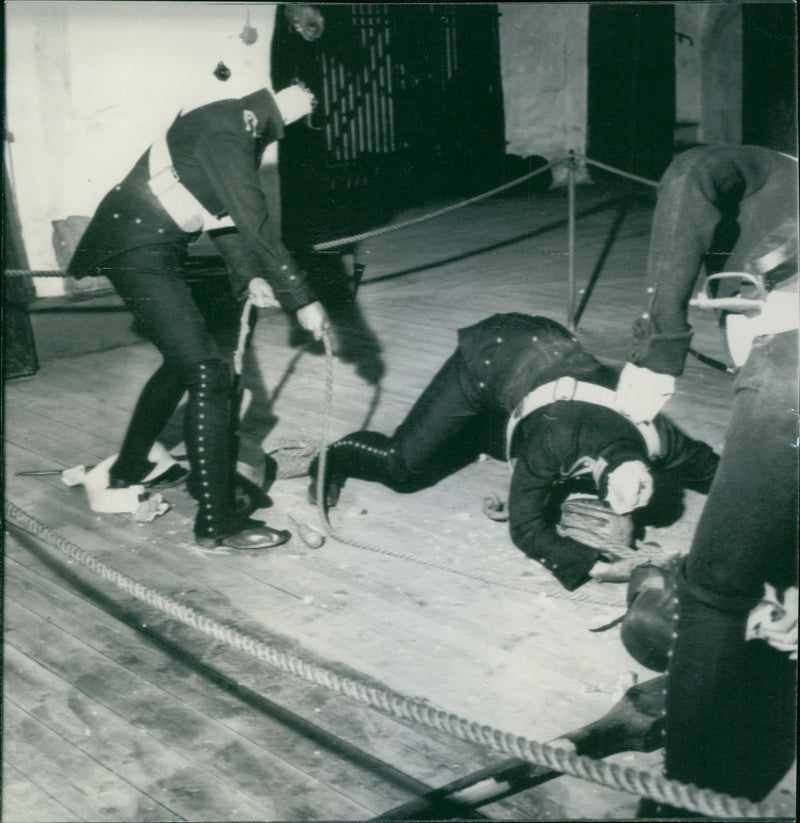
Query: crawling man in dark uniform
{"points": [[524, 385]]}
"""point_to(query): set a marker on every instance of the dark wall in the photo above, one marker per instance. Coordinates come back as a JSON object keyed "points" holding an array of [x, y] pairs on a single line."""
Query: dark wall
{"points": [[631, 95], [19, 350], [769, 75]]}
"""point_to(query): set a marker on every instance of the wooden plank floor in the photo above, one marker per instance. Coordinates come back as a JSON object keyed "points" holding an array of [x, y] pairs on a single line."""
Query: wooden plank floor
{"points": [[115, 712]]}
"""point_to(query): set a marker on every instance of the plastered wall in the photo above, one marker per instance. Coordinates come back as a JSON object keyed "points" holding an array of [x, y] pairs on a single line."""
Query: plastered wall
{"points": [[543, 49], [708, 70], [89, 84]]}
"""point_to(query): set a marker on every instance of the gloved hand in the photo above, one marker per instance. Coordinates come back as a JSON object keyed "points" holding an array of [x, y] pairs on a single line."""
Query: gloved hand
{"points": [[641, 393], [591, 522], [774, 619], [313, 318], [630, 486], [260, 292]]}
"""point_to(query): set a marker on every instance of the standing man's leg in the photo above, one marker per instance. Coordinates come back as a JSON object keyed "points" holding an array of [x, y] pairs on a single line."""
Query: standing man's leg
{"points": [[163, 304], [153, 289], [731, 704]]}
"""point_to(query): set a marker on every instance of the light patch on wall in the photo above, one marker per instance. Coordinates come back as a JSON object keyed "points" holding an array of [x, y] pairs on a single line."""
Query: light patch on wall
{"points": [[89, 85]]}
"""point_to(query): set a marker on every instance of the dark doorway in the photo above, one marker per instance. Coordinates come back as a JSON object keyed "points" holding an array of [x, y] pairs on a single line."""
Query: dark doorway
{"points": [[410, 107], [19, 349], [450, 117], [631, 95], [769, 75]]}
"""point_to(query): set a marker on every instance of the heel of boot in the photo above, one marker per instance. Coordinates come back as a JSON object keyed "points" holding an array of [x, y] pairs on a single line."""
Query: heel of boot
{"points": [[207, 542]]}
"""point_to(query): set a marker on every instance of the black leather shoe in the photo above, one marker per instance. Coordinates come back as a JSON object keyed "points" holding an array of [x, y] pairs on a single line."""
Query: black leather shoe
{"points": [[173, 476], [252, 536]]}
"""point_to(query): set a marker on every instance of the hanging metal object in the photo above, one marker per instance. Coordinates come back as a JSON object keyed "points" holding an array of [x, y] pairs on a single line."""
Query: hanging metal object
{"points": [[249, 35], [222, 72]]}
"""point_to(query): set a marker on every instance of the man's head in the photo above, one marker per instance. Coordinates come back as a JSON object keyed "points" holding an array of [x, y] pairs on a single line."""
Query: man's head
{"points": [[629, 486]]}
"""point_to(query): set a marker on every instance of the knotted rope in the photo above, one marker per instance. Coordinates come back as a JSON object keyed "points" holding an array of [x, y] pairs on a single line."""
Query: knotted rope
{"points": [[244, 332], [610, 775]]}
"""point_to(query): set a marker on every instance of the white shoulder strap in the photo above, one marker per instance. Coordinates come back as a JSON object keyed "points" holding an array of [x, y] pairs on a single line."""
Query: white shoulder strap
{"points": [[181, 205], [568, 388]]}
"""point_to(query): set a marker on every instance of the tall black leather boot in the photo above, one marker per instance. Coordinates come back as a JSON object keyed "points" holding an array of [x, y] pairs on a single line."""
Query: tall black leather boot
{"points": [[364, 455], [155, 406], [208, 444]]}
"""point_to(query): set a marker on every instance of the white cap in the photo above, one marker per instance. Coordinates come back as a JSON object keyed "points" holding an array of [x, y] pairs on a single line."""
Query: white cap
{"points": [[295, 102]]}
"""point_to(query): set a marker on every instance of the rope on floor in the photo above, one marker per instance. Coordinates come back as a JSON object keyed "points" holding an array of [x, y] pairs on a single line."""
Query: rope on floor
{"points": [[610, 775], [544, 588]]}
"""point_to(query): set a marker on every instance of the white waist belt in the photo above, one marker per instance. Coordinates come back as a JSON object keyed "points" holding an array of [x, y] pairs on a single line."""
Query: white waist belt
{"points": [[181, 205], [568, 388]]}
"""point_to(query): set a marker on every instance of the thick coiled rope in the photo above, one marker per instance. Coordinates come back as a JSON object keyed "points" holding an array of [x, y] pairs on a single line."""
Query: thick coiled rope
{"points": [[610, 775]]}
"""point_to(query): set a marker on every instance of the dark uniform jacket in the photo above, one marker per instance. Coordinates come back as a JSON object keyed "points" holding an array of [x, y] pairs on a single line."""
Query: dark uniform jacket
{"points": [[699, 221], [509, 355], [216, 151]]}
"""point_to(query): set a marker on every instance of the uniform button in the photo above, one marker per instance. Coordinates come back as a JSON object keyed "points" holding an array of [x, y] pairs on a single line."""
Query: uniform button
{"points": [[138, 219], [645, 316], [499, 339], [116, 215], [284, 267], [117, 188], [650, 290], [535, 339], [293, 277], [487, 362], [482, 384], [161, 231]]}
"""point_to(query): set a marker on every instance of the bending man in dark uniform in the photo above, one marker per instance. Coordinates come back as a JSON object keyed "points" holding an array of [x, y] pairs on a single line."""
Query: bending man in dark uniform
{"points": [[731, 710], [505, 382], [201, 176]]}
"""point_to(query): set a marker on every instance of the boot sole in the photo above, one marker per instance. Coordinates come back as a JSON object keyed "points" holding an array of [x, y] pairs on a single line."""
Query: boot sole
{"points": [[220, 544]]}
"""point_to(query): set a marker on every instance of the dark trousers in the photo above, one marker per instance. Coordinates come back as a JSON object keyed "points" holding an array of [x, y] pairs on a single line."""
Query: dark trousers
{"points": [[449, 426], [151, 283], [731, 717]]}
